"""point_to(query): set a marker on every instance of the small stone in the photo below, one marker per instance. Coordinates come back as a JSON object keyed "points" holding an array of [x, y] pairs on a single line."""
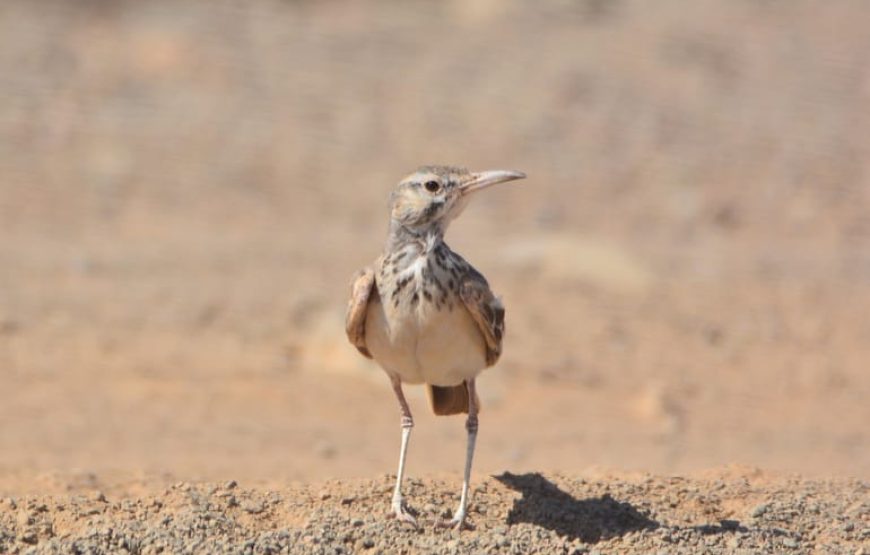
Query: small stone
{"points": [[357, 523], [790, 543], [759, 510], [253, 507], [29, 536], [729, 524], [231, 484], [501, 539]]}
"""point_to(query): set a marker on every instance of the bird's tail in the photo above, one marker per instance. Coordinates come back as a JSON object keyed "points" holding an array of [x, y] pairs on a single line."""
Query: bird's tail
{"points": [[449, 400]]}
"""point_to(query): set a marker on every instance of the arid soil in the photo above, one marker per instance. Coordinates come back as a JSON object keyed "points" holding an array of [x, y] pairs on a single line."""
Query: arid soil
{"points": [[187, 187], [729, 511]]}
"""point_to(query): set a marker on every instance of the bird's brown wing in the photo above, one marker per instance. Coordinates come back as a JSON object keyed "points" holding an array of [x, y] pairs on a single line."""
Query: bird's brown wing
{"points": [[486, 310], [355, 320]]}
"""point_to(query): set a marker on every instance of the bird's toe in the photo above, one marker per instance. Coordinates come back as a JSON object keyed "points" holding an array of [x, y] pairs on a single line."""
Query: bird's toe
{"points": [[458, 523], [402, 515]]}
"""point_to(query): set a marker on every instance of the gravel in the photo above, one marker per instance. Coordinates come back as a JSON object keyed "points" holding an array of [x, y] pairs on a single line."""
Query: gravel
{"points": [[511, 513]]}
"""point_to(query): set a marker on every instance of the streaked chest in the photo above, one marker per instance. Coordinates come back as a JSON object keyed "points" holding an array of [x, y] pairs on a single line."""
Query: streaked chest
{"points": [[419, 327], [420, 280]]}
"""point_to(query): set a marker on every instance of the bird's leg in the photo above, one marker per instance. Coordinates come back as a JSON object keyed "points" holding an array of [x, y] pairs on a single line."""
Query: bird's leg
{"points": [[458, 520], [407, 423]]}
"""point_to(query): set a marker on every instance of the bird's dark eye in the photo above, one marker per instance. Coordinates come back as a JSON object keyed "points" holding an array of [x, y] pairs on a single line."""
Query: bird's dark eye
{"points": [[432, 186]]}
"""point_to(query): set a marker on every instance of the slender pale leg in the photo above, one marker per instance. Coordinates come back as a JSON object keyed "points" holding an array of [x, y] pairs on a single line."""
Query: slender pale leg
{"points": [[458, 520], [407, 424]]}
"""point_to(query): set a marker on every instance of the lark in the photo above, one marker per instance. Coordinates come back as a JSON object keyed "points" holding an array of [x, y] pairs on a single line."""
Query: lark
{"points": [[424, 314]]}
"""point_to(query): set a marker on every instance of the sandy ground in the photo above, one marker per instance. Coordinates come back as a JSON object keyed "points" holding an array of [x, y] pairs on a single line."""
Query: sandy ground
{"points": [[727, 511], [187, 188]]}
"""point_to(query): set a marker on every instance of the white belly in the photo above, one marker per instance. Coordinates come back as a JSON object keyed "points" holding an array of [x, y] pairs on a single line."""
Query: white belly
{"points": [[422, 344]]}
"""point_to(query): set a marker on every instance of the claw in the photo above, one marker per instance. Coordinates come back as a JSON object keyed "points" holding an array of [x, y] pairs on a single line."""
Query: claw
{"points": [[458, 523], [402, 515]]}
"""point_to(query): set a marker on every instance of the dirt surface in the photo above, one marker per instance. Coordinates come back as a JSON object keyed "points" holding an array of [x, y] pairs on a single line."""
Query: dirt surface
{"points": [[728, 511], [187, 187]]}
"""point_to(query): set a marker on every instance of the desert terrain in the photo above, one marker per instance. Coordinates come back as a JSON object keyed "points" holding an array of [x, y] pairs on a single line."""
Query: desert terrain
{"points": [[187, 188]]}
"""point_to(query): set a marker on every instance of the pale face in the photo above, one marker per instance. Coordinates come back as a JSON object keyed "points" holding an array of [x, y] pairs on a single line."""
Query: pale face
{"points": [[431, 196]]}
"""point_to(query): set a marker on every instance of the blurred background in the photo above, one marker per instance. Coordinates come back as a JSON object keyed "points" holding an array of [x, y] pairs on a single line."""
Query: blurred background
{"points": [[186, 189]]}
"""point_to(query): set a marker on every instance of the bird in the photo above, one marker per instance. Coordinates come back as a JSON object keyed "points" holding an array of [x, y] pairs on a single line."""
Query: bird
{"points": [[427, 316]]}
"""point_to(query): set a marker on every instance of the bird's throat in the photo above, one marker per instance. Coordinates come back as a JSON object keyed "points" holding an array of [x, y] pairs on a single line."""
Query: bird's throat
{"points": [[425, 237]]}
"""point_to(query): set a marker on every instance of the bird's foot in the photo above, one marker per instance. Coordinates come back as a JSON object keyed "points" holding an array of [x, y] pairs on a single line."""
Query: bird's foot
{"points": [[402, 515], [458, 522]]}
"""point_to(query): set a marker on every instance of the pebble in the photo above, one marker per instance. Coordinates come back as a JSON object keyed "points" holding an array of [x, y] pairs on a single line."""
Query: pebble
{"points": [[253, 507], [759, 510], [531, 514]]}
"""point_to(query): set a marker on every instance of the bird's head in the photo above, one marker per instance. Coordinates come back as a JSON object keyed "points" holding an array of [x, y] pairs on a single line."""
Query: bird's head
{"points": [[427, 201]]}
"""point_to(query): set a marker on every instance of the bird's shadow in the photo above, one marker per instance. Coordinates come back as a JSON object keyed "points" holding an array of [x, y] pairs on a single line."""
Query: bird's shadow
{"points": [[591, 520]]}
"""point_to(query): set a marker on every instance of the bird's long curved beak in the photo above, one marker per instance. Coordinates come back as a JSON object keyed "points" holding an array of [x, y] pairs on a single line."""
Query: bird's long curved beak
{"points": [[482, 180]]}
